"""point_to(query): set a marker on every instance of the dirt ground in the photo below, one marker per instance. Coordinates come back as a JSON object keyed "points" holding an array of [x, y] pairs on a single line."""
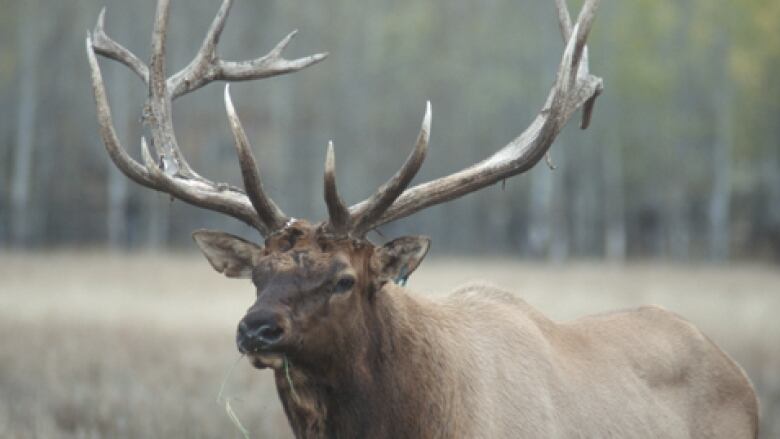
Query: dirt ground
{"points": [[96, 345]]}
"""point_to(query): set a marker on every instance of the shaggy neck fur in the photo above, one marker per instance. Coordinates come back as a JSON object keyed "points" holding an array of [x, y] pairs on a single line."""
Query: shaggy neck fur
{"points": [[383, 379]]}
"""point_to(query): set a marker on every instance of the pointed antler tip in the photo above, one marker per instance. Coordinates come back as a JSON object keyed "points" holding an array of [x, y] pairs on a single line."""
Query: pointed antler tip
{"points": [[425, 130], [337, 211], [101, 18], [330, 159], [285, 41], [229, 103]]}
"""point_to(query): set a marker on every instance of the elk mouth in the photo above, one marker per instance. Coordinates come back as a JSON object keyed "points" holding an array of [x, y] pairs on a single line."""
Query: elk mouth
{"points": [[266, 360]]}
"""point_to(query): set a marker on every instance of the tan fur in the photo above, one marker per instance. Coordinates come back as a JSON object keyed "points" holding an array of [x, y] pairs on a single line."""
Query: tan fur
{"points": [[500, 369], [379, 361]]}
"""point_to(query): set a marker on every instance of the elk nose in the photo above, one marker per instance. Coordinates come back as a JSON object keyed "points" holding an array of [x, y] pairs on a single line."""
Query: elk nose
{"points": [[258, 330]]}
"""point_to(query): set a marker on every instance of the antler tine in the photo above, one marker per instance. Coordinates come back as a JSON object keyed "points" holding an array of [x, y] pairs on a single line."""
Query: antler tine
{"points": [[158, 111], [366, 213], [158, 114], [167, 170], [104, 45], [207, 66], [574, 87], [229, 201], [131, 168], [587, 15], [585, 23], [338, 212], [197, 70], [267, 210], [564, 19]]}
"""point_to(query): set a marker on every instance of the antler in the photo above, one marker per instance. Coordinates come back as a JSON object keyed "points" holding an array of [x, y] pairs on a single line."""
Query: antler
{"points": [[574, 88], [167, 170], [366, 215]]}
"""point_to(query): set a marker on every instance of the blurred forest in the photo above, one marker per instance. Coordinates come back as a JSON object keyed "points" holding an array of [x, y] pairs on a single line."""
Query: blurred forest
{"points": [[682, 159]]}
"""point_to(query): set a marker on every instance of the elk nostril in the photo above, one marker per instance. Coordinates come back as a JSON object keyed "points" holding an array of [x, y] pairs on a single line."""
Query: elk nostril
{"points": [[269, 333]]}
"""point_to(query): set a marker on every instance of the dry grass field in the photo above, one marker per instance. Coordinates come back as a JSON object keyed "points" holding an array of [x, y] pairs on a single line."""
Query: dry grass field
{"points": [[98, 345]]}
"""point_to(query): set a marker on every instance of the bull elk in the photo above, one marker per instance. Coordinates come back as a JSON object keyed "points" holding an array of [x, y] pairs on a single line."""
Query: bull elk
{"points": [[356, 355]]}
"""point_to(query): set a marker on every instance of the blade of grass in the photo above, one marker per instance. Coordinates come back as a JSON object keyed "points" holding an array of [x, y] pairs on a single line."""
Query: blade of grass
{"points": [[228, 408], [289, 379]]}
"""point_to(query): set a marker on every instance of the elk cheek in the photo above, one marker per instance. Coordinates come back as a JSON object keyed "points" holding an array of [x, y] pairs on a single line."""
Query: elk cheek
{"points": [[339, 305]]}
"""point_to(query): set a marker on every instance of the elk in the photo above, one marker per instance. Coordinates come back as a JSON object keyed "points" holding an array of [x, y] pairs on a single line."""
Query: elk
{"points": [[357, 355]]}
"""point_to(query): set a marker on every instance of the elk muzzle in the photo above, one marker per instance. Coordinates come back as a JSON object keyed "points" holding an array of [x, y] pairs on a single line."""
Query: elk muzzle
{"points": [[261, 330]]}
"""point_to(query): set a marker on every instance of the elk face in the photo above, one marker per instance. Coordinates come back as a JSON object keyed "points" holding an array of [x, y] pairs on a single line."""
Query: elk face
{"points": [[312, 287]]}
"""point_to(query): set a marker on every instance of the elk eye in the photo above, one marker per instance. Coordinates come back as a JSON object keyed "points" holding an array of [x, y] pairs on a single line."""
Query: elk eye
{"points": [[344, 284]]}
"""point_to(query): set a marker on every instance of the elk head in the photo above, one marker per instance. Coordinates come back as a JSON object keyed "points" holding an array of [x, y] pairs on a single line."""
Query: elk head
{"points": [[315, 281], [313, 288]]}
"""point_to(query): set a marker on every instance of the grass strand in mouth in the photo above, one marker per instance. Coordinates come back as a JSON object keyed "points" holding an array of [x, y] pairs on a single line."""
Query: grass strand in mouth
{"points": [[226, 400], [289, 379]]}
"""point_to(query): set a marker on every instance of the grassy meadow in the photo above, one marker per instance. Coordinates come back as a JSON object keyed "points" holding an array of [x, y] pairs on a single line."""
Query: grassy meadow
{"points": [[100, 345]]}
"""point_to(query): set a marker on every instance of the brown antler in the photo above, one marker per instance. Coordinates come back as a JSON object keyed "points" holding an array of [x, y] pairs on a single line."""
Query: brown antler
{"points": [[269, 213], [366, 214], [340, 221], [574, 87], [168, 171]]}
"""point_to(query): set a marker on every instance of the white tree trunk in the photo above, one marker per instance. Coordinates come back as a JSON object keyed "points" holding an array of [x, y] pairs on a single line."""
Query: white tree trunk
{"points": [[614, 206], [720, 197], [540, 211], [25, 135], [559, 212], [158, 214]]}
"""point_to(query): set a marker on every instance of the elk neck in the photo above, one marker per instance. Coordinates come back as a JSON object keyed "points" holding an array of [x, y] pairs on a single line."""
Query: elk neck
{"points": [[383, 379]]}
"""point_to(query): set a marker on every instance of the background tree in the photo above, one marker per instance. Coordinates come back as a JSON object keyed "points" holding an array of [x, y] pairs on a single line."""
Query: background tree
{"points": [[682, 159]]}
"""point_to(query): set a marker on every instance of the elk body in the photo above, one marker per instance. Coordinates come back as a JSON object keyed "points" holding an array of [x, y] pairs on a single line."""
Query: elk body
{"points": [[356, 355]]}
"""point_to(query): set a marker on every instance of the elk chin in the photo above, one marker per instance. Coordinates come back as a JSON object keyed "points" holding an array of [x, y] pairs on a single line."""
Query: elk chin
{"points": [[266, 360]]}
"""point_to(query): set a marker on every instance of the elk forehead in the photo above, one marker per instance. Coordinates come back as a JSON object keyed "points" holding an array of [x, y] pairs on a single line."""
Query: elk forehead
{"points": [[306, 252]]}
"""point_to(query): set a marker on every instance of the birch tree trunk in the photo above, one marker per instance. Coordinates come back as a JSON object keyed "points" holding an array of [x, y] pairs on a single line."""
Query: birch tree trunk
{"points": [[540, 198], [720, 196], [614, 207], [25, 136]]}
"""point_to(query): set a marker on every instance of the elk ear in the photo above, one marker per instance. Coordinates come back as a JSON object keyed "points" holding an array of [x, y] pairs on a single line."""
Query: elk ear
{"points": [[400, 257], [227, 253]]}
